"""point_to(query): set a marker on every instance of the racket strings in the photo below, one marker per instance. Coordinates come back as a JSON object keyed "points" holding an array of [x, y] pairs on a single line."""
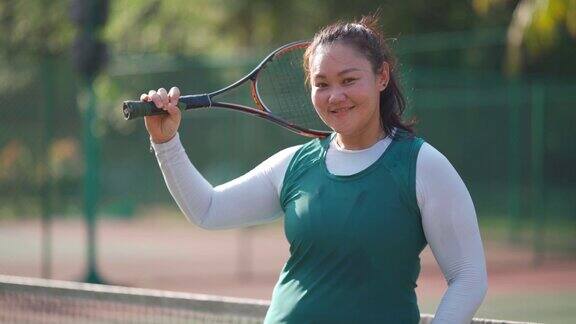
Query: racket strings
{"points": [[282, 89], [238, 95]]}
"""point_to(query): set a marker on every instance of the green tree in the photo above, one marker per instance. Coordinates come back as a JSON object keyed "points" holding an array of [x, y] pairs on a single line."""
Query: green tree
{"points": [[32, 27], [535, 28]]}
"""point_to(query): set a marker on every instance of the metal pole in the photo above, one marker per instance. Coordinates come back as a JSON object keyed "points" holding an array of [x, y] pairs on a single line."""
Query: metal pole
{"points": [[91, 183], [514, 165], [537, 152], [46, 186]]}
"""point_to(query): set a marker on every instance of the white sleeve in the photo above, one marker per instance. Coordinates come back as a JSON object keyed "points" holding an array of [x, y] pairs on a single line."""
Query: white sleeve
{"points": [[248, 200], [451, 228]]}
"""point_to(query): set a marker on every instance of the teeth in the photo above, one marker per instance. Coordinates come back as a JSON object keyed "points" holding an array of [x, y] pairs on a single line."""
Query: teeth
{"points": [[341, 109]]}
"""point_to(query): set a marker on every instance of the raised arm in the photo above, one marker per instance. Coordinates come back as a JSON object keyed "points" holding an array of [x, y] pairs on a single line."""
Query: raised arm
{"points": [[248, 200]]}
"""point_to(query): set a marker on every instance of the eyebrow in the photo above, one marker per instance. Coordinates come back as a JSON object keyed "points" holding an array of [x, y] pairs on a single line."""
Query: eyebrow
{"points": [[321, 76]]}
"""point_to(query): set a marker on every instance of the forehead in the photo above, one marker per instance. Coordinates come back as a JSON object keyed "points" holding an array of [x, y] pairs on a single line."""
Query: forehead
{"points": [[336, 57]]}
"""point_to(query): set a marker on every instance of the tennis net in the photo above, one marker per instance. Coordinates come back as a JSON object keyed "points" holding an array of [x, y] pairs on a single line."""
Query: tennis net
{"points": [[32, 300], [29, 300]]}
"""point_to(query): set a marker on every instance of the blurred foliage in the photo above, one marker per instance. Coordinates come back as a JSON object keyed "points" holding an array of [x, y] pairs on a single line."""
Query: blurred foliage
{"points": [[32, 27], [546, 19], [177, 26], [540, 33], [184, 27]]}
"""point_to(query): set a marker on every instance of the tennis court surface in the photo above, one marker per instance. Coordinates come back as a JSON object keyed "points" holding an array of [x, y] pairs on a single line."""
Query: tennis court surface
{"points": [[160, 256]]}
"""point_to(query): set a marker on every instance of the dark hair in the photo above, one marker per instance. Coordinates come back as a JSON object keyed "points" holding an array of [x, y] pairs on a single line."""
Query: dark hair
{"points": [[365, 37]]}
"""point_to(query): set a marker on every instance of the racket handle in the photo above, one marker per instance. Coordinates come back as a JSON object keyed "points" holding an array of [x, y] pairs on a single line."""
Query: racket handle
{"points": [[135, 109]]}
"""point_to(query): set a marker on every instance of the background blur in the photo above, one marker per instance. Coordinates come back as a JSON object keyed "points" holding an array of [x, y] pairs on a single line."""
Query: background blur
{"points": [[491, 83]]}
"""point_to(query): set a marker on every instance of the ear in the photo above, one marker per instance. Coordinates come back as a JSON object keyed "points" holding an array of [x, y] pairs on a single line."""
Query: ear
{"points": [[383, 76]]}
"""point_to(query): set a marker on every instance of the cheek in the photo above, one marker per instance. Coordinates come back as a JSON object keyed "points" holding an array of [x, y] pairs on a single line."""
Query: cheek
{"points": [[317, 99], [365, 94]]}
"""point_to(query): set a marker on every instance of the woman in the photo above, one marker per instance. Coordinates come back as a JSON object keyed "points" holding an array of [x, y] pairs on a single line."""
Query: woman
{"points": [[358, 206]]}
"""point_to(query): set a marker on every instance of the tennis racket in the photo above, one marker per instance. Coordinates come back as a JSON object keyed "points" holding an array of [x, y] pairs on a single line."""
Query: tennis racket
{"points": [[277, 87]]}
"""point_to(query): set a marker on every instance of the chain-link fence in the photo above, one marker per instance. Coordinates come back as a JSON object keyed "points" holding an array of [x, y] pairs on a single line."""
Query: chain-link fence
{"points": [[509, 139]]}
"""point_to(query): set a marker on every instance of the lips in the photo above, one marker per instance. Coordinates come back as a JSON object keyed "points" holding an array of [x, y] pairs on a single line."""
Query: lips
{"points": [[341, 110]]}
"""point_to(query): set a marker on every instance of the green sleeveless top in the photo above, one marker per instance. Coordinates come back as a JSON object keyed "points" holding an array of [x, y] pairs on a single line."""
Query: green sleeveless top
{"points": [[354, 240]]}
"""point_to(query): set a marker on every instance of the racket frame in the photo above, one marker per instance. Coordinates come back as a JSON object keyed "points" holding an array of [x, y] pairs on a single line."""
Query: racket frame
{"points": [[205, 100]]}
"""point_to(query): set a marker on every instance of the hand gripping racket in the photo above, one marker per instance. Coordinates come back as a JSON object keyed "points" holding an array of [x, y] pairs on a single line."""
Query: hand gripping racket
{"points": [[278, 90]]}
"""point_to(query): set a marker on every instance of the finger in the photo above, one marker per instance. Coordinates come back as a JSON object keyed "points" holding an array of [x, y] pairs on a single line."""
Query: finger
{"points": [[173, 110], [174, 95], [144, 97], [157, 100], [151, 94], [163, 96]]}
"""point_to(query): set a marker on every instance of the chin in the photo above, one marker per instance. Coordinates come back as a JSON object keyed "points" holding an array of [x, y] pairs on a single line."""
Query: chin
{"points": [[342, 130], [346, 127]]}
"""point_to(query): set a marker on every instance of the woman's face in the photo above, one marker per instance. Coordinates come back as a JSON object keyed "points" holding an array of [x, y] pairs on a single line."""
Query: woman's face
{"points": [[345, 89]]}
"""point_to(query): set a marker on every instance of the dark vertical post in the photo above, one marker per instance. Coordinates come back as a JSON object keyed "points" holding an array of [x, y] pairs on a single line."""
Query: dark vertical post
{"points": [[89, 56], [91, 183], [514, 164], [537, 153], [46, 189]]}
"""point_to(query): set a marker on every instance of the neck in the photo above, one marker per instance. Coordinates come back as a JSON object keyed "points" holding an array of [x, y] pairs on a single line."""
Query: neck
{"points": [[360, 141]]}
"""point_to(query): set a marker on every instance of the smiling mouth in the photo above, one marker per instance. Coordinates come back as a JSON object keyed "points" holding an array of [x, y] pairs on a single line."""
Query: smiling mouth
{"points": [[341, 110]]}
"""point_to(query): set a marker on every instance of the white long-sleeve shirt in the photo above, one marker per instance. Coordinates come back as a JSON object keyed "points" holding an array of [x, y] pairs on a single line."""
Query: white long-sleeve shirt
{"points": [[448, 215]]}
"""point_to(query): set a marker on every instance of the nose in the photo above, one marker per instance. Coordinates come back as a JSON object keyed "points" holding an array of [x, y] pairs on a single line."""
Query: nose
{"points": [[336, 96]]}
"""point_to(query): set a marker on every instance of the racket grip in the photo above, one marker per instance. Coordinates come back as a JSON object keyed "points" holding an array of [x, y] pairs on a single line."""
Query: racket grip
{"points": [[135, 109]]}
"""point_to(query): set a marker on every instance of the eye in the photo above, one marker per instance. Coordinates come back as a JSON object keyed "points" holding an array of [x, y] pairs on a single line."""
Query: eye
{"points": [[349, 80], [320, 84]]}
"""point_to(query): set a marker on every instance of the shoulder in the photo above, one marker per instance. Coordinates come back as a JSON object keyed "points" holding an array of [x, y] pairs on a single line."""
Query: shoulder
{"points": [[430, 159], [274, 167], [309, 152], [403, 155], [315, 144], [437, 179], [406, 144], [421, 152], [282, 157]]}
